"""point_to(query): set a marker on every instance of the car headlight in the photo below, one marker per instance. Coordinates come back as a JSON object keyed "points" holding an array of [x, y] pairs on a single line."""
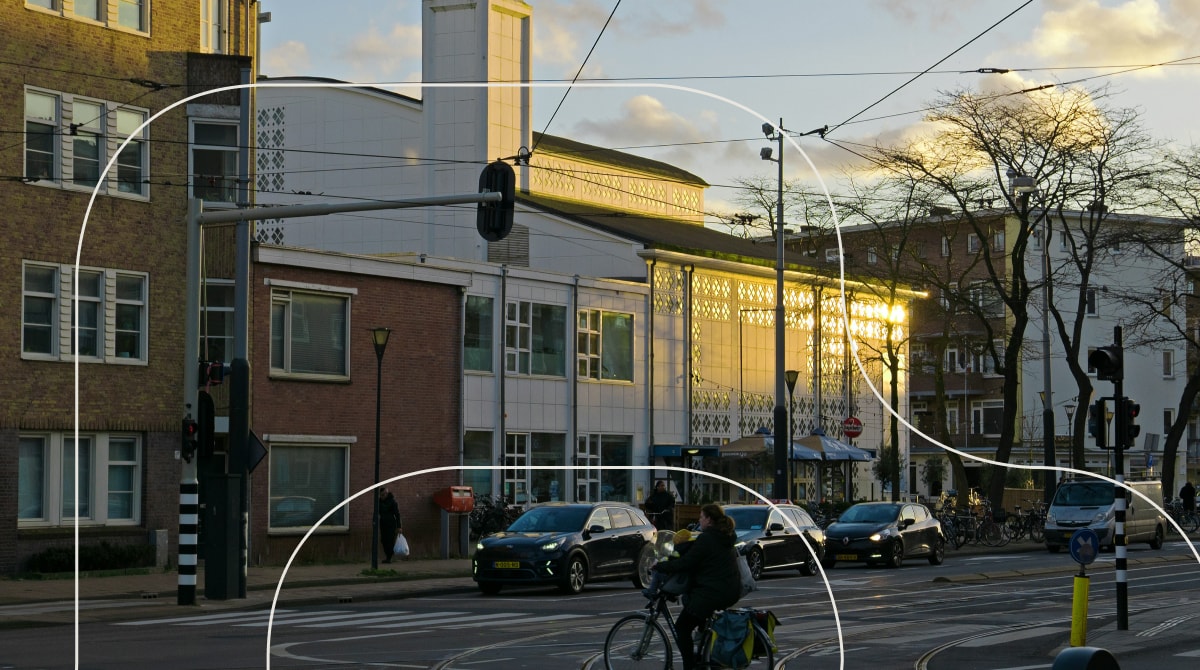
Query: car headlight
{"points": [[1050, 520], [882, 535], [551, 545], [1103, 516]]}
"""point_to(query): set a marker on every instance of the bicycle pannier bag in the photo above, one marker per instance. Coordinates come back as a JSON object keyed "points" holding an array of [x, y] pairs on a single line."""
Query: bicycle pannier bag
{"points": [[767, 621], [731, 640]]}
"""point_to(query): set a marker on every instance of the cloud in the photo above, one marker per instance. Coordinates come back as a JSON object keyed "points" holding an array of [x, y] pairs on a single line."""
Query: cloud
{"points": [[1084, 32], [376, 56], [287, 59], [565, 31]]}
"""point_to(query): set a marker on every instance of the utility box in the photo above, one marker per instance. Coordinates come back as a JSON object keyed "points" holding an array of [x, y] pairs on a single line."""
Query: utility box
{"points": [[455, 499]]}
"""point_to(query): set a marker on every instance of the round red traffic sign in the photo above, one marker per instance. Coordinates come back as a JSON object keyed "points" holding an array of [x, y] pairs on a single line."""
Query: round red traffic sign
{"points": [[852, 427]]}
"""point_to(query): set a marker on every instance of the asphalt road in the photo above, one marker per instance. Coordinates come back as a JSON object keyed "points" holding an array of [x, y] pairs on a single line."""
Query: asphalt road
{"points": [[984, 612]]}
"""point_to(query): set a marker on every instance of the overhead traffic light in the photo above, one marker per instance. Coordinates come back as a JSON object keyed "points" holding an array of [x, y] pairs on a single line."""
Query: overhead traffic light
{"points": [[1108, 363], [1098, 423], [495, 219], [205, 425], [190, 435]]}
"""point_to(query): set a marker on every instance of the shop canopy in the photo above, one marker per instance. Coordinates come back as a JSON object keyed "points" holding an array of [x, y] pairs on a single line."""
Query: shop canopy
{"points": [[829, 448]]}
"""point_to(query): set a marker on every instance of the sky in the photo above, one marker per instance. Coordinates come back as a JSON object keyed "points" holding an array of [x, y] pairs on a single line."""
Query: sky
{"points": [[809, 64]]}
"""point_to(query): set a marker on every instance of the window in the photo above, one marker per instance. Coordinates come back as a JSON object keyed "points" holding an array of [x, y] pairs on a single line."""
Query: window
{"points": [[40, 310], [1064, 240], [986, 416], [132, 14], [1168, 420], [89, 9], [1168, 363], [213, 18], [41, 127], [1166, 300], [105, 297], [69, 139], [309, 333], [477, 334], [131, 162], [109, 479], [945, 246], [973, 244], [1035, 238], [48, 4], [952, 362], [998, 240], [216, 321], [605, 347], [547, 450], [872, 257], [985, 297], [832, 255], [477, 455], [1089, 304], [535, 339], [1091, 369], [952, 419], [131, 316], [214, 161], [306, 482]]}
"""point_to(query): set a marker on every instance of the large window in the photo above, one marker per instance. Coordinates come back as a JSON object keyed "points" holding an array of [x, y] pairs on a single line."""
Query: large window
{"points": [[97, 483], [213, 17], [547, 449], [132, 14], [477, 334], [128, 14], [307, 482], [605, 347], [986, 417], [477, 451], [214, 161], [309, 333], [216, 321], [110, 323], [535, 339], [69, 139]]}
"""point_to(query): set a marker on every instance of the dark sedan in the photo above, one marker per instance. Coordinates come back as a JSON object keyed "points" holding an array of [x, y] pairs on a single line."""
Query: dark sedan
{"points": [[771, 540], [884, 532], [567, 545]]}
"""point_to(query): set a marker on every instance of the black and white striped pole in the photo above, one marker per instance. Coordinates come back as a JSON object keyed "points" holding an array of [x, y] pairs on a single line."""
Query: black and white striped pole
{"points": [[1109, 365]]}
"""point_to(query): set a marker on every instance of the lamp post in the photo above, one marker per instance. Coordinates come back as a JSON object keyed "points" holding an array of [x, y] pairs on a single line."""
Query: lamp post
{"points": [[790, 377], [379, 337], [780, 413], [1070, 407]]}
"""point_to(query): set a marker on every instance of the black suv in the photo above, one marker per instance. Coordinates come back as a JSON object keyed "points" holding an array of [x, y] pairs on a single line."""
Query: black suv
{"points": [[771, 540], [567, 545]]}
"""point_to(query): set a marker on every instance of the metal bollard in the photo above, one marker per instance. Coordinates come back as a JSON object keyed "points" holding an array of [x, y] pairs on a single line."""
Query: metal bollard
{"points": [[1085, 658]]}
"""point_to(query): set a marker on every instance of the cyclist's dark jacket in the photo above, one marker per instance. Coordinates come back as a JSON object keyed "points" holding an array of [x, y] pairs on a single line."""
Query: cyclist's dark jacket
{"points": [[713, 565]]}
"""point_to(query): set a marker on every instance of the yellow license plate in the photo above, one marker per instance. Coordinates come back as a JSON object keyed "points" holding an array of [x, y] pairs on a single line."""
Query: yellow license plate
{"points": [[847, 557], [507, 564]]}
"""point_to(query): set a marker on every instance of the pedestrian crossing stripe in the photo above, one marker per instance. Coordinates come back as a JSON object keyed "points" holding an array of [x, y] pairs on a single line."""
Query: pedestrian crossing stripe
{"points": [[393, 620]]}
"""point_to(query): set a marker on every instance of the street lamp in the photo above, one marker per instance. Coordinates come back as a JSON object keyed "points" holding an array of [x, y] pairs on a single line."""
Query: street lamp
{"points": [[1070, 407], [780, 414], [379, 337], [790, 377]]}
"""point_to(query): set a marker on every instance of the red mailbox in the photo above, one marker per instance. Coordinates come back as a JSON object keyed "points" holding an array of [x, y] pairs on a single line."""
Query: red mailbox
{"points": [[455, 499]]}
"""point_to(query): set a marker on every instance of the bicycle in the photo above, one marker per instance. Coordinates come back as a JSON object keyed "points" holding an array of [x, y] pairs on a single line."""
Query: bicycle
{"points": [[1189, 521], [639, 641]]}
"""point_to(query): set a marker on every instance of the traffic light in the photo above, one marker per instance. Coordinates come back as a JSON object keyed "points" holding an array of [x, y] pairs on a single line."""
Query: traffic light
{"points": [[495, 219], [205, 425], [212, 373], [1098, 423], [1132, 430], [190, 430], [1107, 362]]}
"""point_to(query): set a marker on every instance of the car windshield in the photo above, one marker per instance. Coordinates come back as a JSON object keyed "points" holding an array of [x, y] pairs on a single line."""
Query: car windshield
{"points": [[870, 514], [747, 519], [1095, 494], [551, 520]]}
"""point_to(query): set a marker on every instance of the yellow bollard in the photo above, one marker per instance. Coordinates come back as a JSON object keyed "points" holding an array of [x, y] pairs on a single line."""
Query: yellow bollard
{"points": [[1079, 610]]}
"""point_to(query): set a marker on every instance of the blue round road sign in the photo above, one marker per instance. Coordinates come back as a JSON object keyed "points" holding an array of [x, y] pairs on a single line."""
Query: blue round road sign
{"points": [[1084, 546]]}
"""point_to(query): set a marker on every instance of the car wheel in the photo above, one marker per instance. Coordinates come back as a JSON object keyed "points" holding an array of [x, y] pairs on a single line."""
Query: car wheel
{"points": [[939, 552], [1157, 542], [575, 576], [755, 560], [489, 589], [641, 578], [1053, 548], [895, 556], [809, 567]]}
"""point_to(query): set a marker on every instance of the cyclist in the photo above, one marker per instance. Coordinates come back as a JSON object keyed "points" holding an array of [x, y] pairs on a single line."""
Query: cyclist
{"points": [[712, 564], [1188, 495], [660, 506]]}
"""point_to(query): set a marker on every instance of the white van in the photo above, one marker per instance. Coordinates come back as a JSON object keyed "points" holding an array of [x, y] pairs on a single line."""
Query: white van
{"points": [[1089, 503]]}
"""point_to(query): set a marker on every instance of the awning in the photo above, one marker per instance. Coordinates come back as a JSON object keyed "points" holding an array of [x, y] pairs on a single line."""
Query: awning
{"points": [[681, 450], [831, 449], [759, 444]]}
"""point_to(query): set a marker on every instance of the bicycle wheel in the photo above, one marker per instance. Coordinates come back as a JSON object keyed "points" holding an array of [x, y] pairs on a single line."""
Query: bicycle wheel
{"points": [[1015, 525], [637, 641], [990, 534], [1190, 522], [1037, 530]]}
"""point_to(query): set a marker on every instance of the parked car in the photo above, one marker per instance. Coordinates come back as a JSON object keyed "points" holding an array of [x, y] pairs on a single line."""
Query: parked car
{"points": [[567, 545], [771, 543], [884, 532], [1091, 503]]}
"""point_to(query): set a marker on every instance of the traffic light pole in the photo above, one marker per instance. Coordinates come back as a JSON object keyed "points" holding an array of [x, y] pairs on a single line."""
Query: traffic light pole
{"points": [[1119, 506]]}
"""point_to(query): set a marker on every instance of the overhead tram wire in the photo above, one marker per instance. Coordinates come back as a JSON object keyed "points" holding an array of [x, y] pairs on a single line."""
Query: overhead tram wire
{"points": [[577, 73], [926, 70]]}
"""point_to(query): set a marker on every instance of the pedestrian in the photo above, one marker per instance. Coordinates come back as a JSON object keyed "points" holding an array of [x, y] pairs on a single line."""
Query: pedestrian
{"points": [[1188, 495], [389, 523], [715, 582], [660, 506]]}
